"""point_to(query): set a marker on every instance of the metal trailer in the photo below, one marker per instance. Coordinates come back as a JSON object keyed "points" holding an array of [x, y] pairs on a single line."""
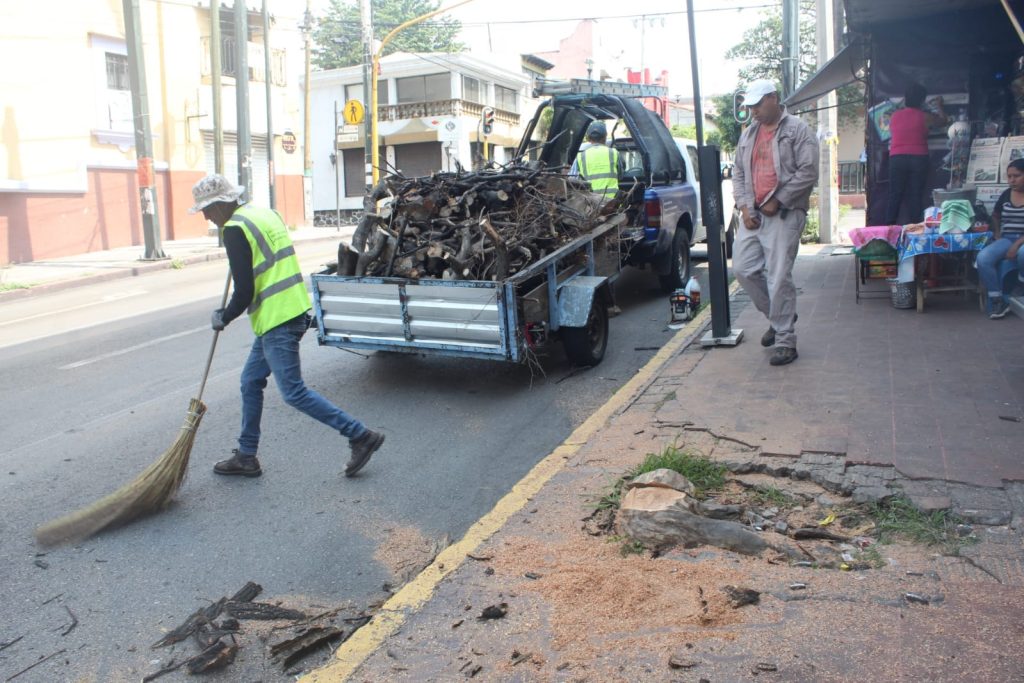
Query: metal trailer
{"points": [[508, 320]]}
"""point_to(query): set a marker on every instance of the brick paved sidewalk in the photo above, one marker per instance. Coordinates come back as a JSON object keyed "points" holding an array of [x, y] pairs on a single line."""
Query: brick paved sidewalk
{"points": [[874, 387]]}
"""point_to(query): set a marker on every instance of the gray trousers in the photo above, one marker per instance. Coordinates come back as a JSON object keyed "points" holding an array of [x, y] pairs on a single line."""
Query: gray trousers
{"points": [[762, 261]]}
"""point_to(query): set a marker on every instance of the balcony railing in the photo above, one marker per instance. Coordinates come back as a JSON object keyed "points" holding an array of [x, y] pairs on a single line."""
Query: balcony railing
{"points": [[412, 110]]}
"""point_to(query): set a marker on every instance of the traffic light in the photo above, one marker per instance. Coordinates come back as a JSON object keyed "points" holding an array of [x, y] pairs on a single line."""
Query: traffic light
{"points": [[740, 112], [487, 117]]}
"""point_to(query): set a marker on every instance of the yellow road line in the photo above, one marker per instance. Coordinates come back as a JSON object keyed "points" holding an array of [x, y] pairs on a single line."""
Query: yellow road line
{"points": [[417, 592]]}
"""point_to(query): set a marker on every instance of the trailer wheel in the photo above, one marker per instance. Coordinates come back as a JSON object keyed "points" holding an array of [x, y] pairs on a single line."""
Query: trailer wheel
{"points": [[585, 346]]}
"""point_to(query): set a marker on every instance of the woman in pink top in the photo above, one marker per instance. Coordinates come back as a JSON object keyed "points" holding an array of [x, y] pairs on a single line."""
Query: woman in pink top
{"points": [[908, 156]]}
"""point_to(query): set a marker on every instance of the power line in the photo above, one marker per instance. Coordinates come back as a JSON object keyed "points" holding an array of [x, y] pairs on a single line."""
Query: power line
{"points": [[644, 15]]}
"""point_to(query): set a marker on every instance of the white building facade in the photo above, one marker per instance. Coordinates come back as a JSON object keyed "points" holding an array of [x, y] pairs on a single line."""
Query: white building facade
{"points": [[430, 108]]}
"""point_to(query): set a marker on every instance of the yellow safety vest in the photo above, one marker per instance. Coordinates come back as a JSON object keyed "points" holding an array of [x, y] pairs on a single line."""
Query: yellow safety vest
{"points": [[279, 291], [599, 165]]}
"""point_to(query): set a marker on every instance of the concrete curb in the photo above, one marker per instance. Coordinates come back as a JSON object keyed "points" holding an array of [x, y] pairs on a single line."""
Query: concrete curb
{"points": [[126, 272]]}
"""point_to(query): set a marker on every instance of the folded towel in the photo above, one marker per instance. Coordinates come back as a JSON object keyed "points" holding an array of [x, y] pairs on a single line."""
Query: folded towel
{"points": [[957, 216]]}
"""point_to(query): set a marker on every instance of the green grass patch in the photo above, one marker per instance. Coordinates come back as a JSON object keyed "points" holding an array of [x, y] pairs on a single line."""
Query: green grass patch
{"points": [[767, 496], [177, 264], [627, 546], [704, 474], [9, 286], [897, 518]]}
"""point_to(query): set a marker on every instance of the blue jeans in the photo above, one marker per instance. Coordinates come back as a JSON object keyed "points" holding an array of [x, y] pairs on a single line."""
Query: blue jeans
{"points": [[989, 260], [277, 353]]}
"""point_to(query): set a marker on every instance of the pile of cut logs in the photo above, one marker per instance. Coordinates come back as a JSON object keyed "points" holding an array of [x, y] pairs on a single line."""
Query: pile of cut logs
{"points": [[486, 225]]}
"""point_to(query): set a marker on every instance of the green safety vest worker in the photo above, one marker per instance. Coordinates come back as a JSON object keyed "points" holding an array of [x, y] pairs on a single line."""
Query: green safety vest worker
{"points": [[279, 292], [599, 165]]}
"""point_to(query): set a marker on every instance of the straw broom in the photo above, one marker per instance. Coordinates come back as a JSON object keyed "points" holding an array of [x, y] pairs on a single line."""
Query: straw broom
{"points": [[151, 491]]}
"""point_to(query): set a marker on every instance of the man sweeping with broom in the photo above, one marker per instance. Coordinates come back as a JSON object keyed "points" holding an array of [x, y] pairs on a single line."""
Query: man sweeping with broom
{"points": [[269, 285]]}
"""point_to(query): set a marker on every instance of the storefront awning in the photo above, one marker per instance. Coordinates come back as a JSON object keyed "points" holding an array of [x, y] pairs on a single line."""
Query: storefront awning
{"points": [[839, 71]]}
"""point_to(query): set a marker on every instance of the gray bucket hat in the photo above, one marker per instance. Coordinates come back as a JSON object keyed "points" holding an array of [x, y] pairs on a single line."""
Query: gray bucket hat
{"points": [[215, 188]]}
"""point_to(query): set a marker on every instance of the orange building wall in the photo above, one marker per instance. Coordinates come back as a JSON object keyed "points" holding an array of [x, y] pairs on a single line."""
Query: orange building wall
{"points": [[36, 226], [290, 203]]}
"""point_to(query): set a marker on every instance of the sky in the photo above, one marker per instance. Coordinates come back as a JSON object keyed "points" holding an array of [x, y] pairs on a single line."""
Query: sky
{"points": [[665, 43], [523, 26]]}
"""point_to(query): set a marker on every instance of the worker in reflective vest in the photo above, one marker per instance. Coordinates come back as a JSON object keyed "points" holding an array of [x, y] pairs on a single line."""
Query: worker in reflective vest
{"points": [[597, 163], [268, 284]]}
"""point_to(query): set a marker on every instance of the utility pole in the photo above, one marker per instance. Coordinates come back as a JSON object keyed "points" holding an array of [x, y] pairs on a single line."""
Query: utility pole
{"points": [[828, 126], [712, 214], [270, 120], [243, 136], [218, 117], [790, 46], [307, 31], [366, 21], [143, 135], [215, 73]]}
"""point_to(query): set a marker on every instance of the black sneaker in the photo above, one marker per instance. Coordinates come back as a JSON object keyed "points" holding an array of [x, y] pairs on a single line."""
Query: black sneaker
{"points": [[362, 449], [999, 309], [239, 464], [783, 356]]}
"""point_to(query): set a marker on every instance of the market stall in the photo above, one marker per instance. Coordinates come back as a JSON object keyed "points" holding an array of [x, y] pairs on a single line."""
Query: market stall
{"points": [[969, 54]]}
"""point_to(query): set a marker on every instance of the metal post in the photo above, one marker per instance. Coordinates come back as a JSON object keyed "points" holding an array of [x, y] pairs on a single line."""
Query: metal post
{"points": [[215, 86], [143, 136], [828, 124], [790, 46], [337, 165], [307, 30], [243, 136], [710, 171], [366, 21], [270, 121]]}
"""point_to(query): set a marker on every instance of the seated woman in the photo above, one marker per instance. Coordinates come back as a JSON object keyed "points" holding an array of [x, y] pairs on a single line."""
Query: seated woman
{"points": [[1008, 232]]}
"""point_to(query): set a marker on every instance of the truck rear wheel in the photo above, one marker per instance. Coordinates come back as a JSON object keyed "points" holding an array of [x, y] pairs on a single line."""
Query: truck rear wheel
{"points": [[679, 271], [585, 346]]}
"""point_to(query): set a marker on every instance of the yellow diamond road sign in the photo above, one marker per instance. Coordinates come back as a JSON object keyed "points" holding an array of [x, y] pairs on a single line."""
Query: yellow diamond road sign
{"points": [[354, 112]]}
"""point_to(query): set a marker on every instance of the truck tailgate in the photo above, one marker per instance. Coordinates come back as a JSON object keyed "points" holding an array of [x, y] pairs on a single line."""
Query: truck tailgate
{"points": [[465, 318]]}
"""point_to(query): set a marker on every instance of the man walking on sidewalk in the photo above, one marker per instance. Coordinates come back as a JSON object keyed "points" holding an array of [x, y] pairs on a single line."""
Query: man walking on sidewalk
{"points": [[776, 168], [269, 285]]}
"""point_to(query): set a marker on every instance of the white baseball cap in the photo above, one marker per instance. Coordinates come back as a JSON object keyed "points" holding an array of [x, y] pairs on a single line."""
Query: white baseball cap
{"points": [[757, 90], [214, 188]]}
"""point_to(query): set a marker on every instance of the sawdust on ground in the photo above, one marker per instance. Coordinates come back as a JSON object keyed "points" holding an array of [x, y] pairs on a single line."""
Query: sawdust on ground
{"points": [[604, 601], [406, 551]]}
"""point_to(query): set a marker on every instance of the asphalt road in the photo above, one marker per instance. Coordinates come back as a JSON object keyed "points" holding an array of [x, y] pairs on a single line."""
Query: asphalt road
{"points": [[96, 383]]}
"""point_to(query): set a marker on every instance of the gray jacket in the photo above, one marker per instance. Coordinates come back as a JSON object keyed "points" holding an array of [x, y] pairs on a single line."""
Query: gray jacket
{"points": [[795, 151]]}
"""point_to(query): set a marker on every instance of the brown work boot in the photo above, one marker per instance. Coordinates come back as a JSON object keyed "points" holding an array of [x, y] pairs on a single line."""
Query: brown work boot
{"points": [[239, 464], [783, 355], [768, 338], [362, 448]]}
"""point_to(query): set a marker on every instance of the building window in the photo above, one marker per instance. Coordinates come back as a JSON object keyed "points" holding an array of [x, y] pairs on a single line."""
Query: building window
{"points": [[113, 114], [354, 91], [430, 88], [472, 90], [506, 99], [117, 72]]}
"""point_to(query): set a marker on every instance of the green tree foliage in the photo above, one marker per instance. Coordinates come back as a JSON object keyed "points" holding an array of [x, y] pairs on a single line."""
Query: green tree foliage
{"points": [[728, 133], [761, 54], [761, 47], [688, 132], [338, 41]]}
